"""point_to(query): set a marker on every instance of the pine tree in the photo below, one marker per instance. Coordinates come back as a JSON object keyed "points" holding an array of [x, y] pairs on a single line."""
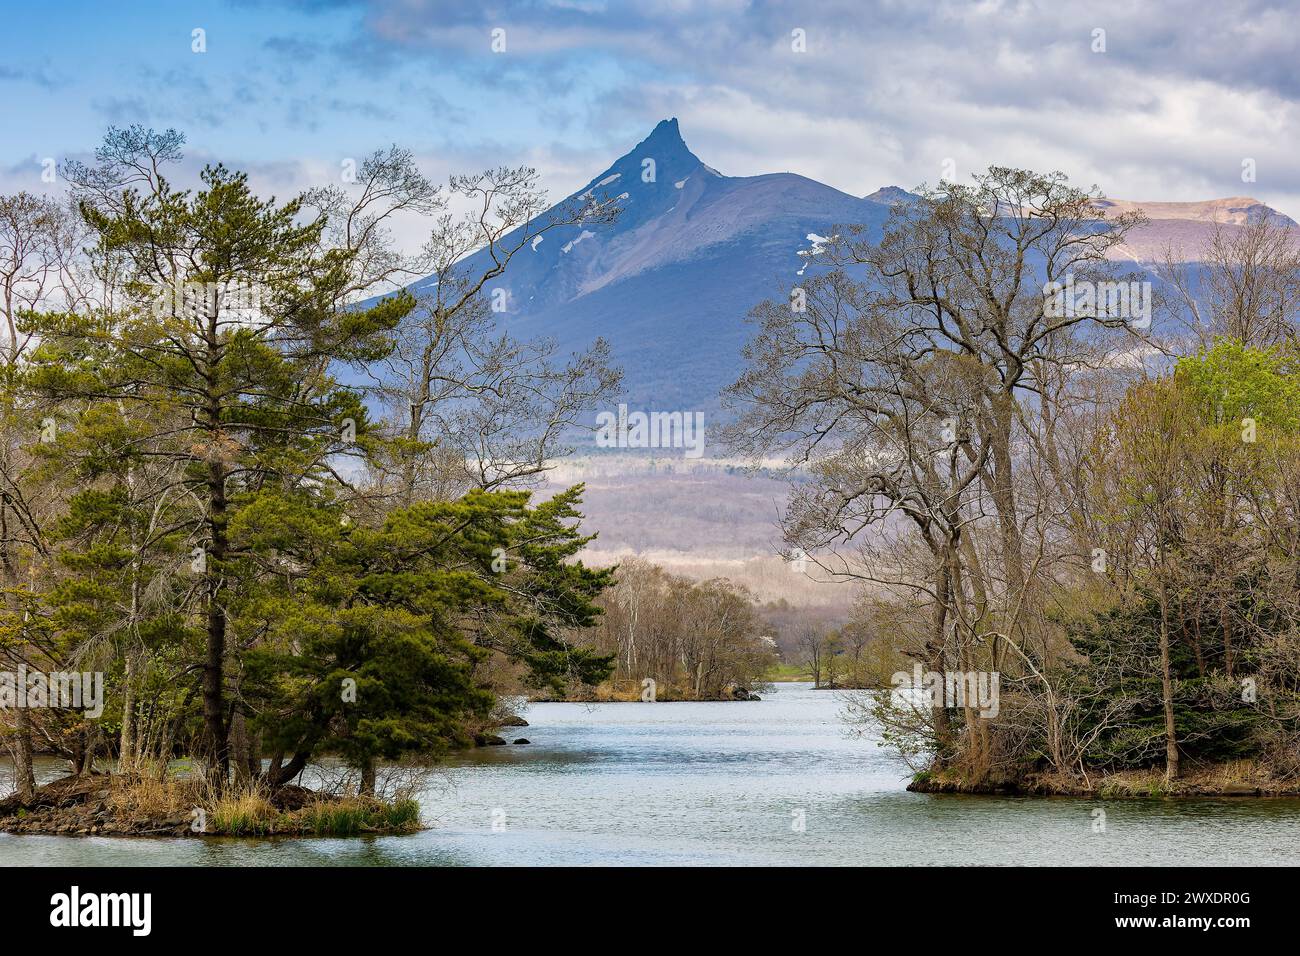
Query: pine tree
{"points": [[235, 317], [366, 643]]}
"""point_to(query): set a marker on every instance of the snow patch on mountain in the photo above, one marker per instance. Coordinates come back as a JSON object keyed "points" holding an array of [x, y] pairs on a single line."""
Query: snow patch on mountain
{"points": [[585, 234]]}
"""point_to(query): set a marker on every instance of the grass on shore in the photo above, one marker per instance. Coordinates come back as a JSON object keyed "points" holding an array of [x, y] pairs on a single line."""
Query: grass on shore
{"points": [[251, 814], [1233, 778], [250, 810]]}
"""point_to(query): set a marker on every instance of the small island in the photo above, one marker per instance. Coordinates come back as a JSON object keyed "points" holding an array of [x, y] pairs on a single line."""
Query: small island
{"points": [[223, 565]]}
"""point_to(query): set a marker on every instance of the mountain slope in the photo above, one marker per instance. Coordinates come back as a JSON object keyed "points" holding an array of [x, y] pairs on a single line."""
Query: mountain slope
{"points": [[669, 285], [1184, 229], [670, 282]]}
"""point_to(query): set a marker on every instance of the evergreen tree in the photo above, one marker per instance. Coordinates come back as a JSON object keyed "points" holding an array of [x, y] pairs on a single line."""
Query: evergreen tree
{"points": [[233, 320], [365, 642]]}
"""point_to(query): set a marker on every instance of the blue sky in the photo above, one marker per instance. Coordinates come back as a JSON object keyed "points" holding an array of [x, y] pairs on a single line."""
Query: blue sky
{"points": [[275, 82], [882, 92]]}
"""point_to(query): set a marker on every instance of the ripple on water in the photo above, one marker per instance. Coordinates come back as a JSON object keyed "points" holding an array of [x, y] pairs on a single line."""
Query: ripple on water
{"points": [[722, 783]]}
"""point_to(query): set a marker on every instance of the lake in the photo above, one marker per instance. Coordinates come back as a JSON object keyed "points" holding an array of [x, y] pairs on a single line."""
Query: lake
{"points": [[775, 782]]}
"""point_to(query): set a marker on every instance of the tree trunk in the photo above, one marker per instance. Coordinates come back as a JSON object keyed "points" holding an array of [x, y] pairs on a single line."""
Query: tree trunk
{"points": [[78, 758], [214, 720], [278, 774], [1167, 690], [217, 745], [239, 747], [1004, 498], [24, 774], [937, 646], [254, 755], [127, 746], [1002, 489], [977, 763]]}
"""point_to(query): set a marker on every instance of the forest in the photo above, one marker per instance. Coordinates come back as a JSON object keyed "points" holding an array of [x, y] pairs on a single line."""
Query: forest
{"points": [[1094, 496]]}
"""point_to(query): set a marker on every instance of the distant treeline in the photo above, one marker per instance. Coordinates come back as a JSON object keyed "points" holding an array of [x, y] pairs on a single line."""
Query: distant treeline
{"points": [[695, 641]]}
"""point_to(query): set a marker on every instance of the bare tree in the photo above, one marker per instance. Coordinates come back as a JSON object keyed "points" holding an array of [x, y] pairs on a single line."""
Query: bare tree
{"points": [[471, 405], [1243, 284]]}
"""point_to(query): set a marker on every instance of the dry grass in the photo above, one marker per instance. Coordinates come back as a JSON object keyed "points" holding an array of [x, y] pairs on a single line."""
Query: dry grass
{"points": [[246, 812], [250, 813], [1235, 777], [1245, 772], [249, 810], [150, 795]]}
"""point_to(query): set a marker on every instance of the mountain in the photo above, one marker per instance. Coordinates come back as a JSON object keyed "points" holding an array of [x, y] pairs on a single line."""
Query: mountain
{"points": [[670, 282], [1235, 211], [891, 194], [1186, 227], [669, 285]]}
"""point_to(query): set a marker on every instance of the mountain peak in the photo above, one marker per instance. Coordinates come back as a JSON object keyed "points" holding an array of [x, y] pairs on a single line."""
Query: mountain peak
{"points": [[666, 130], [890, 195], [660, 157], [665, 140], [666, 133]]}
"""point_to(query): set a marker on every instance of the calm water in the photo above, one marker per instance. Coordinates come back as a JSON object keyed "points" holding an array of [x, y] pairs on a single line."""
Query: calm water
{"points": [[721, 783]]}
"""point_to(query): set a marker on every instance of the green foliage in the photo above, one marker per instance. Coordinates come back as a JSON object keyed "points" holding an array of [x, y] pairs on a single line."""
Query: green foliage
{"points": [[369, 637], [349, 818], [206, 531], [252, 815], [1121, 646], [1231, 381]]}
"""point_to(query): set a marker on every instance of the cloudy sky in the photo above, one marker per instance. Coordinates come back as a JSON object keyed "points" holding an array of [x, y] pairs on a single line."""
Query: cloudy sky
{"points": [[1146, 103]]}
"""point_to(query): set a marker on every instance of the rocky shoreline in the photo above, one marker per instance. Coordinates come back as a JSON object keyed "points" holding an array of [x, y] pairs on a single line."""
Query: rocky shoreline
{"points": [[1212, 782], [92, 805], [82, 806]]}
